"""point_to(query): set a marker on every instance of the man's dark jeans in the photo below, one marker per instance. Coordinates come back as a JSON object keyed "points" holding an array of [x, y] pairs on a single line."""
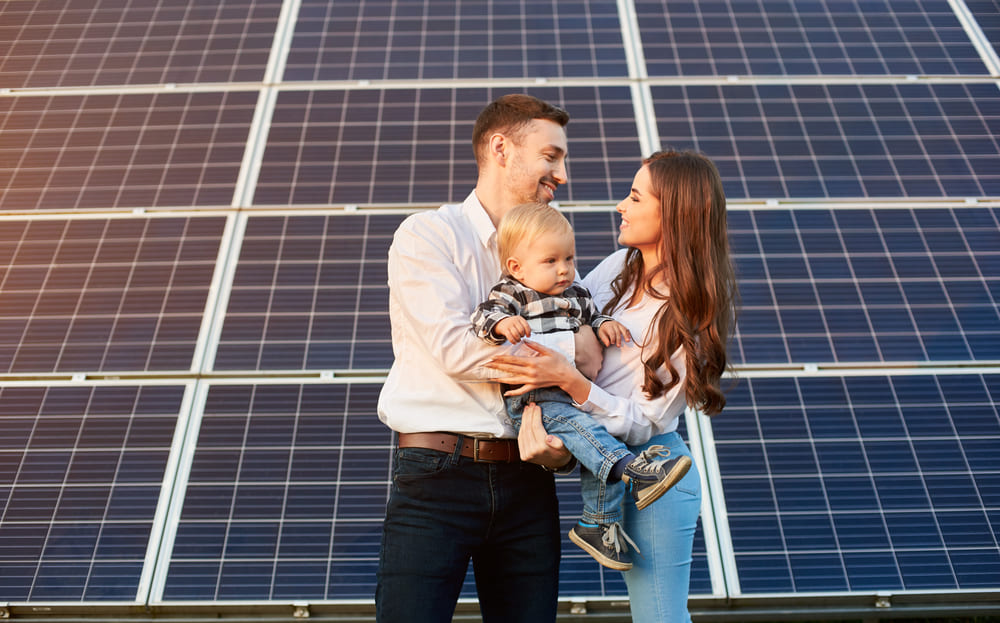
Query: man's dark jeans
{"points": [[444, 509]]}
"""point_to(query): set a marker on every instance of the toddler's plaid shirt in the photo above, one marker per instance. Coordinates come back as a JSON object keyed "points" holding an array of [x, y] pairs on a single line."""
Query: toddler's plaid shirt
{"points": [[545, 313]]}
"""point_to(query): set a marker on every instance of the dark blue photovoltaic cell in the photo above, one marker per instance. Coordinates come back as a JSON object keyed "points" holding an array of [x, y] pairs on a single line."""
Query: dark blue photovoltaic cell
{"points": [[53, 43], [827, 141], [443, 39], [862, 483], [826, 37], [72, 152], [287, 494], [104, 294], [80, 475], [415, 146]]}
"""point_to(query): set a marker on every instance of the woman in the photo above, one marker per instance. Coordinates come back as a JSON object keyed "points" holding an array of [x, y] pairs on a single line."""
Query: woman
{"points": [[673, 287]]}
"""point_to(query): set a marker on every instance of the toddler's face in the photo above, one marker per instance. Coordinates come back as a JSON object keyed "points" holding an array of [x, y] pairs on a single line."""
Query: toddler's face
{"points": [[545, 263]]}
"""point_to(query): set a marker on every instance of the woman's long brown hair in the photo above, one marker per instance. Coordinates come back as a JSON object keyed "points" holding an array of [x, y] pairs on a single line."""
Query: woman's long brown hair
{"points": [[698, 312]]}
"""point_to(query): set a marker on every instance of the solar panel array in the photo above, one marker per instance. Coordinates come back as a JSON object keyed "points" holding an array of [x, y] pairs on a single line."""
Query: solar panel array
{"points": [[197, 202]]}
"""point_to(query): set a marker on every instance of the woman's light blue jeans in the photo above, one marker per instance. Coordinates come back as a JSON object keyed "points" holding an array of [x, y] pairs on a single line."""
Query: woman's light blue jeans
{"points": [[592, 445], [659, 580]]}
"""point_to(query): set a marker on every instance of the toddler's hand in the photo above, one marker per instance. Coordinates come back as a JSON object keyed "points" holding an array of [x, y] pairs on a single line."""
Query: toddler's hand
{"points": [[613, 332], [513, 328]]}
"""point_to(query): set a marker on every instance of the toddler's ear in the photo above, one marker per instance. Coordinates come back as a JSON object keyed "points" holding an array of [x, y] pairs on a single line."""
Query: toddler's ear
{"points": [[513, 267]]}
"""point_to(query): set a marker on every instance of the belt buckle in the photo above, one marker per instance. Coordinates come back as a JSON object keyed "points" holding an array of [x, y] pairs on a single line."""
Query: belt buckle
{"points": [[475, 449]]}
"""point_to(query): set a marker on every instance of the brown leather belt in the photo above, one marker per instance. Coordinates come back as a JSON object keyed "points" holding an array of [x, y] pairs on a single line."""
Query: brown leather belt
{"points": [[481, 450]]}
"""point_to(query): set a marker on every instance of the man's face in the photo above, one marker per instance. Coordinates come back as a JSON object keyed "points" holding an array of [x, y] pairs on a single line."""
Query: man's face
{"points": [[536, 162]]}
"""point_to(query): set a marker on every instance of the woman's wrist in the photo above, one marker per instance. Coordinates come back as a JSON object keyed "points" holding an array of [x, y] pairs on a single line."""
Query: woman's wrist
{"points": [[578, 387]]}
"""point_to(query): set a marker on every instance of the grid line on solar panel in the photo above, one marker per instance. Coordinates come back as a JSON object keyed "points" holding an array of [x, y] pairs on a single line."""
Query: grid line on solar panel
{"points": [[104, 294], [81, 481], [129, 150], [840, 140], [390, 40], [861, 483], [108, 42], [405, 146], [824, 38]]}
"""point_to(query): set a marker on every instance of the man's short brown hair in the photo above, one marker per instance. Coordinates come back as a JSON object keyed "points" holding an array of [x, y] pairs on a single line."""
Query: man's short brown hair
{"points": [[508, 114]]}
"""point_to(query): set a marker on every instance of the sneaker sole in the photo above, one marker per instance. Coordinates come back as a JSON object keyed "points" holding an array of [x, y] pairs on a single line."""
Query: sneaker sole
{"points": [[597, 555], [652, 494]]}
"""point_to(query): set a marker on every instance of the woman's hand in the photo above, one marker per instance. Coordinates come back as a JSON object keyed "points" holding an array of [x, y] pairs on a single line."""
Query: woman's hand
{"points": [[544, 368], [536, 445]]}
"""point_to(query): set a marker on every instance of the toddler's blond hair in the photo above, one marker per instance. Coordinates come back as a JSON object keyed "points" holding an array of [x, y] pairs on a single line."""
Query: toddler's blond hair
{"points": [[523, 223]]}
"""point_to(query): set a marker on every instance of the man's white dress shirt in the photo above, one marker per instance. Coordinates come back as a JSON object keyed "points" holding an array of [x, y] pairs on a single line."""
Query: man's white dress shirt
{"points": [[442, 264]]}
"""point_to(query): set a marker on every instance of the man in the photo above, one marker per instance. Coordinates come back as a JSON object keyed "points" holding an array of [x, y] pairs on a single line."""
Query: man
{"points": [[460, 490]]}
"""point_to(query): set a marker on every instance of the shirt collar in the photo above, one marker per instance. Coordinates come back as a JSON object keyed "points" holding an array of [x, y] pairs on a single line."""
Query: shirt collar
{"points": [[480, 220]]}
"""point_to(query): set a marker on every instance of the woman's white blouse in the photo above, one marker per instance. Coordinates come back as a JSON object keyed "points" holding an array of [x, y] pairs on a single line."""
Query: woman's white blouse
{"points": [[616, 398]]}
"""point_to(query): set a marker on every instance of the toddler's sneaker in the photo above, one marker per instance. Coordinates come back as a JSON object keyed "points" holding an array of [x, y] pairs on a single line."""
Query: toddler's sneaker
{"points": [[607, 543], [647, 479]]}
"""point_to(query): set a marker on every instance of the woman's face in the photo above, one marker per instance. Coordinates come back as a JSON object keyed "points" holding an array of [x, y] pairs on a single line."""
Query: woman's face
{"points": [[640, 226]]}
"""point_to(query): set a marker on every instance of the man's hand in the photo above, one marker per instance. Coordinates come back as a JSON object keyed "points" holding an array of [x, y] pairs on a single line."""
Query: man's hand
{"points": [[513, 328], [589, 354], [536, 445]]}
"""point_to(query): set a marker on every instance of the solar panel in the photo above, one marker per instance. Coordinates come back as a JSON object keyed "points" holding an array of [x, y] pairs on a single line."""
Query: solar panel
{"points": [[825, 38], [389, 40], [108, 42], [862, 483], [310, 292], [864, 286], [135, 150], [840, 140], [89, 295], [83, 468], [405, 146], [848, 285], [286, 496]]}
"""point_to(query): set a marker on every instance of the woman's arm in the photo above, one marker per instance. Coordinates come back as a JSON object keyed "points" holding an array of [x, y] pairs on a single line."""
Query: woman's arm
{"points": [[545, 368]]}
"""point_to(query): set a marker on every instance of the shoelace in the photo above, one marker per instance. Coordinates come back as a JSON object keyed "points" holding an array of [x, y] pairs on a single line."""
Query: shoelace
{"points": [[649, 456], [655, 451], [610, 538]]}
